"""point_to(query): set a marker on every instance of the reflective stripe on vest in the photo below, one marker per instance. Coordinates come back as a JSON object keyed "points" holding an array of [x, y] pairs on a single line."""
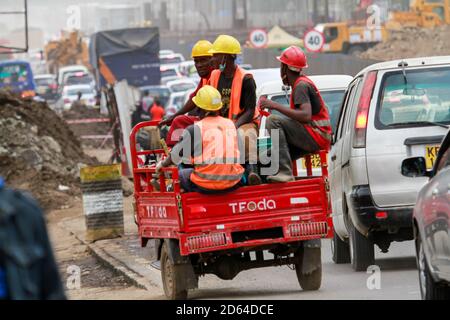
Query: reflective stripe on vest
{"points": [[236, 91], [218, 177], [320, 126], [323, 134], [217, 168]]}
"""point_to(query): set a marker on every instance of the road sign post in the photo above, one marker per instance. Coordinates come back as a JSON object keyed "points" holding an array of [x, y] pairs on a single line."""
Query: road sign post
{"points": [[314, 41], [259, 38]]}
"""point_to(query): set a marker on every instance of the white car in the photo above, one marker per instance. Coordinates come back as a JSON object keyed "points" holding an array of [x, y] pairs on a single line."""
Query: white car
{"points": [[262, 76], [46, 87], [70, 69], [78, 78], [169, 73], [331, 87], [70, 95], [172, 60], [392, 111], [176, 102], [165, 52], [181, 85], [187, 69]]}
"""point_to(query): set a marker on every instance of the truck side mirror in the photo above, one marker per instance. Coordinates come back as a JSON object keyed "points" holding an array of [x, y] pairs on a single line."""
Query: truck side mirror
{"points": [[415, 167]]}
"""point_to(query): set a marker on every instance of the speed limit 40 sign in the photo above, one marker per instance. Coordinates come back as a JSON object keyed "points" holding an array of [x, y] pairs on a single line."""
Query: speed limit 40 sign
{"points": [[314, 41], [259, 38]]}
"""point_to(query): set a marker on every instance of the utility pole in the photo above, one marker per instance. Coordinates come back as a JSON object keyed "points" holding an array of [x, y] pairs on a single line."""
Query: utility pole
{"points": [[327, 10], [315, 12], [239, 14]]}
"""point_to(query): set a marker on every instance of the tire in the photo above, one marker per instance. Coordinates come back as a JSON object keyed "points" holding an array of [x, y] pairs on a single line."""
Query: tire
{"points": [[313, 280], [362, 252], [429, 289], [340, 250], [171, 277]]}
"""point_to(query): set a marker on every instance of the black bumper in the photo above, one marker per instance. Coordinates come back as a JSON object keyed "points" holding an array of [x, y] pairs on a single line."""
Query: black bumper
{"points": [[398, 220]]}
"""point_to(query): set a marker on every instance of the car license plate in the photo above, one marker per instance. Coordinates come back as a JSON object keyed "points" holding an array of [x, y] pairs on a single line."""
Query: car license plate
{"points": [[431, 153], [315, 162]]}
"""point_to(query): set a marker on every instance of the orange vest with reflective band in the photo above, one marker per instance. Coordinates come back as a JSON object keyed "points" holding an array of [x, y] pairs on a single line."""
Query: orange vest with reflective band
{"points": [[218, 167], [320, 126], [236, 91]]}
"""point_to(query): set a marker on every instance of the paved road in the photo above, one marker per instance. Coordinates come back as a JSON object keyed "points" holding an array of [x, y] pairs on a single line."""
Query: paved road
{"points": [[399, 280]]}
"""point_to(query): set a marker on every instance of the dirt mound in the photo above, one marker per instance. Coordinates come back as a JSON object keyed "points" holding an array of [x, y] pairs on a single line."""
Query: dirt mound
{"points": [[81, 130], [38, 152], [412, 43]]}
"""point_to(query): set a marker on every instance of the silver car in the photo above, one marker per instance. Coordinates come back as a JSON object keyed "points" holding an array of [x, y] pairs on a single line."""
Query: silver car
{"points": [[431, 222], [392, 111]]}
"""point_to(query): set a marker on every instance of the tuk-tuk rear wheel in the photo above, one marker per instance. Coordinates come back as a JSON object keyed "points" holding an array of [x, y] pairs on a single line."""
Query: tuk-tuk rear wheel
{"points": [[171, 277], [310, 281]]}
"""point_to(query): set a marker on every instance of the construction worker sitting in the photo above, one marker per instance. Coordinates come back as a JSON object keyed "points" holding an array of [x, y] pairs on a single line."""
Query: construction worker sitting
{"points": [[304, 127], [210, 146], [238, 90], [181, 120]]}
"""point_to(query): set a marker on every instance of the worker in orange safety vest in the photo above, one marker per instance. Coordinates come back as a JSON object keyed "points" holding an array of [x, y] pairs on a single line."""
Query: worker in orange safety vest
{"points": [[213, 160], [238, 90]]}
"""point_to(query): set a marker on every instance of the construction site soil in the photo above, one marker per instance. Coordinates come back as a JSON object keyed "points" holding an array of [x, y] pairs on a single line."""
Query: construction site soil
{"points": [[412, 42], [39, 152]]}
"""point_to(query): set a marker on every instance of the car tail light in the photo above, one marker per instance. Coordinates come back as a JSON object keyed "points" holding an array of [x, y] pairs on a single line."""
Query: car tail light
{"points": [[381, 215], [66, 100], [305, 230], [206, 241], [359, 140]]}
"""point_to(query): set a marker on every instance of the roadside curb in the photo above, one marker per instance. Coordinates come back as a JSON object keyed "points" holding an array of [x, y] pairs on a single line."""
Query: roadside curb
{"points": [[140, 275]]}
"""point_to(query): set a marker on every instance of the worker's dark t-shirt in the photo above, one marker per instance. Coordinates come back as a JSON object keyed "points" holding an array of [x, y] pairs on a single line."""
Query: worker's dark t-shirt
{"points": [[304, 93], [248, 95]]}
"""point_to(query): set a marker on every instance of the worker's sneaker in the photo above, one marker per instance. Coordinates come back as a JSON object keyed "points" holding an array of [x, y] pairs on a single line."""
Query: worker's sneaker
{"points": [[280, 178], [253, 177], [150, 160]]}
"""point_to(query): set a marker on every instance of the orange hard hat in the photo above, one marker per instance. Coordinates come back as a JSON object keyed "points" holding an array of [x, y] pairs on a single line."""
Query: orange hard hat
{"points": [[294, 58]]}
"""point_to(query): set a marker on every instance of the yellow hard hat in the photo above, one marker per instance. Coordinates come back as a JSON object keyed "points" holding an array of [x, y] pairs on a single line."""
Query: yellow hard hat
{"points": [[227, 45], [208, 98], [201, 49]]}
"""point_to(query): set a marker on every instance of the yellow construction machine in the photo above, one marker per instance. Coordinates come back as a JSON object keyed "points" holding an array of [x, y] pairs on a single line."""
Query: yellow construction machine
{"points": [[422, 14], [341, 37], [69, 50]]}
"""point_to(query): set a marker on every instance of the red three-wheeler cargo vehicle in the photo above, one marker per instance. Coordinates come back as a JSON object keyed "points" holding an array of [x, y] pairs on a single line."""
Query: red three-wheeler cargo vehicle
{"points": [[280, 224]]}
